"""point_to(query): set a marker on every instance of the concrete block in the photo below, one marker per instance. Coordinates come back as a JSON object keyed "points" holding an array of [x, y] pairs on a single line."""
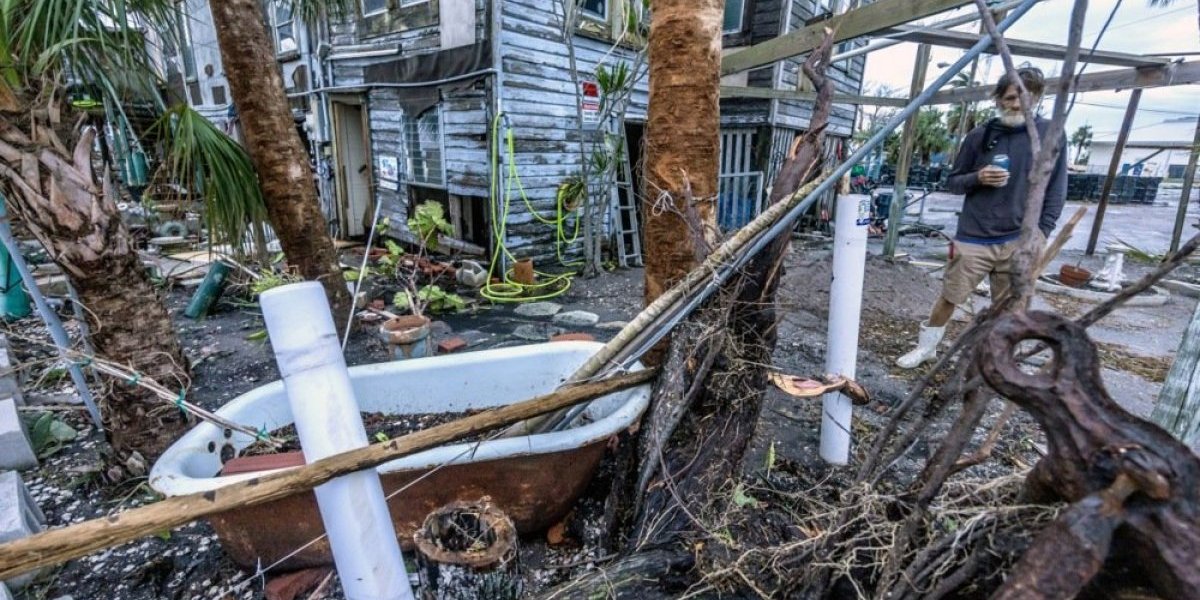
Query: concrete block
{"points": [[19, 517], [15, 451], [10, 378]]}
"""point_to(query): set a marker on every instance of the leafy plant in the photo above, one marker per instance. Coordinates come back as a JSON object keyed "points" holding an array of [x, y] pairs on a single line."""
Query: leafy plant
{"points": [[47, 434], [203, 160], [433, 298], [270, 279], [427, 222]]}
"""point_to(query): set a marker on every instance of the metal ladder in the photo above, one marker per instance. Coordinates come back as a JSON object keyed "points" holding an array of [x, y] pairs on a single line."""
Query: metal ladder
{"points": [[625, 223]]}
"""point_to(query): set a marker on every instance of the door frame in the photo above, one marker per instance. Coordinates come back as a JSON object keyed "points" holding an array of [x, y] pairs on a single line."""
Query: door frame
{"points": [[342, 190]]}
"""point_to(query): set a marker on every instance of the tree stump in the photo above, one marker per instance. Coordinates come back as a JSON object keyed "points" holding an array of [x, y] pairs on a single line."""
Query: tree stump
{"points": [[468, 551]]}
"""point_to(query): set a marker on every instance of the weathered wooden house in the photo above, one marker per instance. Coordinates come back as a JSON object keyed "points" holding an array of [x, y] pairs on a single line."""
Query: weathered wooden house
{"points": [[399, 102]]}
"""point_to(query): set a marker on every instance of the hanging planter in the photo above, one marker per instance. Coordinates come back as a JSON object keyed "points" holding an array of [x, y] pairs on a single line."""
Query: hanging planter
{"points": [[407, 337]]}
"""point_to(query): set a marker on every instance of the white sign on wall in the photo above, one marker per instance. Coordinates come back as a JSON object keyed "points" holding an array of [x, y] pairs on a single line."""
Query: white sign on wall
{"points": [[389, 172]]}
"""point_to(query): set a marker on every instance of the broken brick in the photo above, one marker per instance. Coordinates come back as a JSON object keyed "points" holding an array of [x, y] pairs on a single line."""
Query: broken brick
{"points": [[289, 586], [573, 337], [451, 345]]}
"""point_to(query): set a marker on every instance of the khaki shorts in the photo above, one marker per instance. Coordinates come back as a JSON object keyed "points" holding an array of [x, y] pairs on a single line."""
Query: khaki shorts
{"points": [[973, 262]]}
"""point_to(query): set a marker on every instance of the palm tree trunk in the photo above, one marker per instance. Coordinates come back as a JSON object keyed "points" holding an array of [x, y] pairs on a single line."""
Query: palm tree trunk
{"points": [[284, 173], [56, 194], [682, 142]]}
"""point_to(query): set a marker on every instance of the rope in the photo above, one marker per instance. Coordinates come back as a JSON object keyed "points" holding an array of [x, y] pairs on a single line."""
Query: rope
{"points": [[550, 285]]}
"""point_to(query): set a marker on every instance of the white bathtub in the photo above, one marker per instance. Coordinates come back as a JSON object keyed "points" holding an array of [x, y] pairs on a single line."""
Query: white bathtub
{"points": [[533, 478]]}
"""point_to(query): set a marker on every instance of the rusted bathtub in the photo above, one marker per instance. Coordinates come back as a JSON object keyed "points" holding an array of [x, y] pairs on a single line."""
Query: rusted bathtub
{"points": [[534, 479]]}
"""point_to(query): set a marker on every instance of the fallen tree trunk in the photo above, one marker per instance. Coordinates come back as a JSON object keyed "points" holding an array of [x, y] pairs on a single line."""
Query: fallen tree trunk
{"points": [[1133, 485], [60, 545]]}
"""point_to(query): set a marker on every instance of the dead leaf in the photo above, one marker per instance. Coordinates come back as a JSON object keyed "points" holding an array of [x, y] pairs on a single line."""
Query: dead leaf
{"points": [[557, 533]]}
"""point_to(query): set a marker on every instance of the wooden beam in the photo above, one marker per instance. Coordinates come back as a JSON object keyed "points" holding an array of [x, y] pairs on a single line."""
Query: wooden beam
{"points": [[855, 23], [964, 40], [1185, 196], [1122, 137], [769, 93], [60, 545], [1123, 79]]}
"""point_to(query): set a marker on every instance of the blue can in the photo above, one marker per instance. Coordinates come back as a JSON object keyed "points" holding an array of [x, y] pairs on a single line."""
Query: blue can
{"points": [[1001, 160]]}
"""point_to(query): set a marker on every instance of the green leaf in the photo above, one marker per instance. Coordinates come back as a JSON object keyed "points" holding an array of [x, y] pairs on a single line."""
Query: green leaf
{"points": [[770, 457], [382, 437], [428, 220], [257, 336], [742, 499]]}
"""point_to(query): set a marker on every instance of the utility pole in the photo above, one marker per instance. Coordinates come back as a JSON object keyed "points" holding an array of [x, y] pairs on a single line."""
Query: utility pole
{"points": [[906, 147], [1189, 176], [1122, 137]]}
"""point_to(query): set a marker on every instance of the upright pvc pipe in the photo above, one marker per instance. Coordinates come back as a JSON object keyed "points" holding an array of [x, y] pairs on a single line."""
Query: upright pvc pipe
{"points": [[845, 308], [62, 342], [327, 419]]}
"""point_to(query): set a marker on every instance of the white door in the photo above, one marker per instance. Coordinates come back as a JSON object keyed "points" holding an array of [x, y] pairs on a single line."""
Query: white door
{"points": [[353, 168]]}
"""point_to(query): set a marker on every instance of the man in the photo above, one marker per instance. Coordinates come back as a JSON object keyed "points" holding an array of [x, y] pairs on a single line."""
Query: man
{"points": [[990, 222]]}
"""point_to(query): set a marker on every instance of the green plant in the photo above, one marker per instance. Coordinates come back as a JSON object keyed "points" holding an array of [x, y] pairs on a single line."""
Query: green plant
{"points": [[47, 434], [203, 160], [432, 298], [427, 222], [268, 279]]}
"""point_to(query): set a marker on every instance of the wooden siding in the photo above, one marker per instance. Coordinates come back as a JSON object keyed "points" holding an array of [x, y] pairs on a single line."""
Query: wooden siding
{"points": [[847, 76], [539, 99]]}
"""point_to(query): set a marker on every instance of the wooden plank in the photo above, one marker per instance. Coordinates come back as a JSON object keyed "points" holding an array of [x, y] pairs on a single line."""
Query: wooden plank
{"points": [[964, 40], [1122, 79], [755, 92], [855, 23]]}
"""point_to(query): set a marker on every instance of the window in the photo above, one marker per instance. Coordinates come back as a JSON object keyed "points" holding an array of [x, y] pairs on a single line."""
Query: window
{"points": [[1175, 171], [373, 7], [597, 9], [185, 44], [734, 15], [423, 141], [284, 24]]}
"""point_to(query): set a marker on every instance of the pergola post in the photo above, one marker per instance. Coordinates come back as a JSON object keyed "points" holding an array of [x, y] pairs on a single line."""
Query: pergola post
{"points": [[1122, 138], [906, 147], [1189, 175]]}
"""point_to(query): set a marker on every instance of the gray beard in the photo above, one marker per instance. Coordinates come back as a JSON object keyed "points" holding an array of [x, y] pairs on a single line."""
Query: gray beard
{"points": [[1013, 120]]}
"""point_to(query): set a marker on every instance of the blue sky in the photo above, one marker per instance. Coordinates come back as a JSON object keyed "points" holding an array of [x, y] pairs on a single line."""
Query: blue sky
{"points": [[1136, 28]]}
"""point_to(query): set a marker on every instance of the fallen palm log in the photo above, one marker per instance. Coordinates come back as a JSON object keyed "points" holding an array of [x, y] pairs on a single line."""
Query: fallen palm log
{"points": [[1134, 485], [60, 545]]}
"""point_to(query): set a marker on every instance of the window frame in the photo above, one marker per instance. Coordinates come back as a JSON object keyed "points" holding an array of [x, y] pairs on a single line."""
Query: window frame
{"points": [[362, 9], [599, 17], [408, 3], [273, 8], [741, 26], [411, 138]]}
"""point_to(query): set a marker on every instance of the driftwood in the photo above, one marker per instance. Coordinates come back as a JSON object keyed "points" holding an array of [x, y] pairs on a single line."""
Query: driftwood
{"points": [[1133, 485], [60, 545]]}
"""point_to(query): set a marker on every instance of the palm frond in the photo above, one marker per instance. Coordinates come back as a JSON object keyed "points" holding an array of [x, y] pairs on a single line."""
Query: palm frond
{"points": [[311, 11], [203, 160]]}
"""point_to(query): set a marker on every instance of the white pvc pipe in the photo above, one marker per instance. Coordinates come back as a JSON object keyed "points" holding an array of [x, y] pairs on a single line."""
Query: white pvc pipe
{"points": [[327, 418], [845, 308]]}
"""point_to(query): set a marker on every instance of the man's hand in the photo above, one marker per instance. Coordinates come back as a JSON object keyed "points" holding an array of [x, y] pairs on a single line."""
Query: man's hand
{"points": [[993, 176]]}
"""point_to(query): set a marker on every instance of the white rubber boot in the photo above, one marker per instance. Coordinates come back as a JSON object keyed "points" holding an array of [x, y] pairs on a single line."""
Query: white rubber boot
{"points": [[926, 350]]}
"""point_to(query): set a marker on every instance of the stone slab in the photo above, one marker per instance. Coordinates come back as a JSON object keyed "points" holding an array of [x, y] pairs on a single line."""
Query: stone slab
{"points": [[536, 332], [10, 378], [19, 517], [15, 451], [576, 318], [538, 309]]}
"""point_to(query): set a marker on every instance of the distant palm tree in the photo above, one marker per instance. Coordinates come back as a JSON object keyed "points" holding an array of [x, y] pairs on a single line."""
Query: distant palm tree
{"points": [[1165, 3], [1080, 140]]}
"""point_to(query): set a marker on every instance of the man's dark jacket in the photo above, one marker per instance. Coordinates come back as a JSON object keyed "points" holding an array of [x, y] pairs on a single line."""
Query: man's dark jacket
{"points": [[992, 215]]}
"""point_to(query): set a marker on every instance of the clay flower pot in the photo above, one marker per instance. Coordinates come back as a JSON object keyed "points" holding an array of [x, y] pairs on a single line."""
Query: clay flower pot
{"points": [[1073, 276], [523, 272], [407, 337]]}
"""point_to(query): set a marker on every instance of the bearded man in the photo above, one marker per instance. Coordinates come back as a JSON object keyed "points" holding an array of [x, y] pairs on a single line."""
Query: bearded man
{"points": [[992, 171]]}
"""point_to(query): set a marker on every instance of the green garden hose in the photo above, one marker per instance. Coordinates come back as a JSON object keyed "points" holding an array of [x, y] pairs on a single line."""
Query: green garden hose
{"points": [[510, 290]]}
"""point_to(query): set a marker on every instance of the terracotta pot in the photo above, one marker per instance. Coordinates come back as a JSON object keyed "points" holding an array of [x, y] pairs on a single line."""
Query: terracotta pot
{"points": [[523, 272], [407, 337], [1073, 276]]}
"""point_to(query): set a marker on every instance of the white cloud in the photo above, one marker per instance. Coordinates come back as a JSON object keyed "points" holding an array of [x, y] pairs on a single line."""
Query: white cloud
{"points": [[1136, 28]]}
